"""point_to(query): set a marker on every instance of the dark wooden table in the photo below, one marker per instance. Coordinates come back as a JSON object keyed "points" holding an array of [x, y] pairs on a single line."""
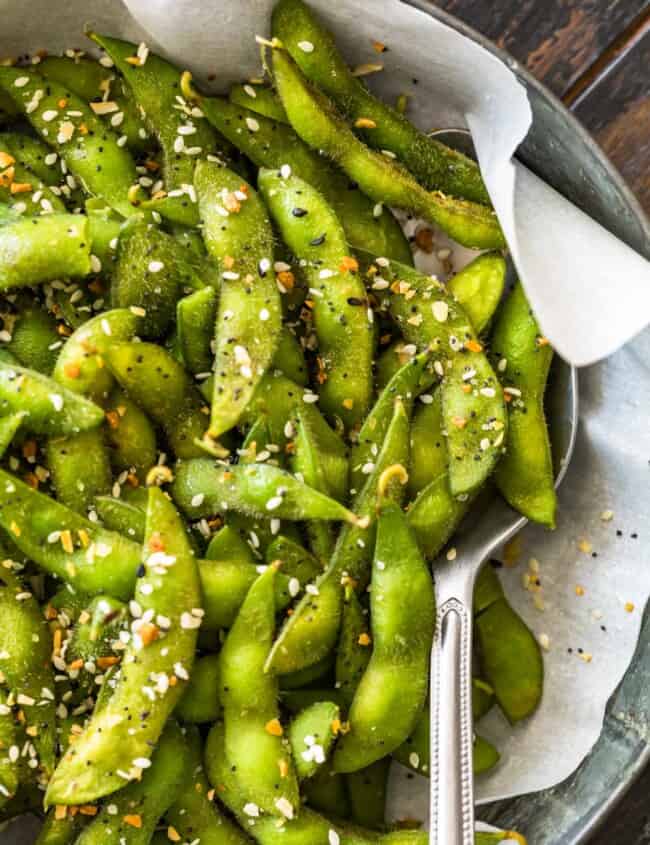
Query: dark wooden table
{"points": [[595, 55]]}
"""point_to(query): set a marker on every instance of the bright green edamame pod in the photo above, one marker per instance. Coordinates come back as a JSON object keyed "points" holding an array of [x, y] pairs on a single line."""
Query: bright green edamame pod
{"points": [[48, 407], [227, 544], [193, 815], [295, 560], [321, 459], [184, 135], [80, 366], [34, 339], [80, 468], [511, 660], [202, 488], [311, 631], [89, 148], [258, 98], [296, 700], [25, 662], [489, 838], [314, 118], [140, 805], [435, 165], [392, 691], [34, 250], [308, 828], [195, 322], [415, 376], [312, 734], [367, 791], [479, 288], [164, 391], [121, 516], [170, 589], [238, 235], [342, 318], [482, 698], [104, 228], [290, 358], [307, 462], [225, 584], [428, 450], [200, 702], [473, 404], [9, 426], [273, 144], [94, 637], [97, 84], [34, 155], [525, 475], [130, 435], [486, 755], [354, 651], [148, 275], [254, 746]]}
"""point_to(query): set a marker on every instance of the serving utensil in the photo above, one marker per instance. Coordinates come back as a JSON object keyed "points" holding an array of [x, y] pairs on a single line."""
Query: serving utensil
{"points": [[451, 724]]}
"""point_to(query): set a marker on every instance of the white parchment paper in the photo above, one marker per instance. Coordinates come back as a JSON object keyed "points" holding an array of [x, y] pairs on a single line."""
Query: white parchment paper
{"points": [[460, 84]]}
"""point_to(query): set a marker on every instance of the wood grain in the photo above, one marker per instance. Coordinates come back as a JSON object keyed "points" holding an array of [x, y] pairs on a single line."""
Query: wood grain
{"points": [[557, 40], [616, 109]]}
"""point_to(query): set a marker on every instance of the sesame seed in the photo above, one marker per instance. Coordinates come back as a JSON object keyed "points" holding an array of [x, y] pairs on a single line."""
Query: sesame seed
{"points": [[252, 124], [306, 46], [285, 171], [251, 810], [57, 401], [49, 115], [155, 266], [440, 310]]}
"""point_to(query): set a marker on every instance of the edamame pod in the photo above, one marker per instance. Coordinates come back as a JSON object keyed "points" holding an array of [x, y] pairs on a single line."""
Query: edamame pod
{"points": [[34, 155], [434, 164], [97, 84], [473, 404], [149, 276], [162, 388], [290, 358], [136, 810], [379, 177], [200, 702], [294, 559], [67, 123], [354, 647], [194, 813], [9, 427], [48, 407], [25, 663], [202, 488], [326, 793], [342, 317], [310, 633], [269, 143], [34, 339], [121, 516], [80, 468], [169, 588], [238, 235], [195, 325], [34, 250], [308, 828], [23, 192], [250, 706], [61, 831], [130, 435], [312, 734], [525, 475], [511, 660], [392, 691], [180, 128], [80, 366], [225, 584]]}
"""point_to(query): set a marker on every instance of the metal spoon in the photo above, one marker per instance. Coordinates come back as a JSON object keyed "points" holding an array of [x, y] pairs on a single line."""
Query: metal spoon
{"points": [[451, 725]]}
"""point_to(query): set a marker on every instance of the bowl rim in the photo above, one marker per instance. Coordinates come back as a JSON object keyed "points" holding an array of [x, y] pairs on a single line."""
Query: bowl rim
{"points": [[597, 816]]}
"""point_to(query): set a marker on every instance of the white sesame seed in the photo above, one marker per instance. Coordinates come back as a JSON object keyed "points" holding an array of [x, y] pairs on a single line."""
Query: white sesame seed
{"points": [[285, 171], [414, 760], [333, 838], [155, 266], [306, 46], [440, 310], [252, 124], [285, 807], [264, 314], [251, 810], [250, 91], [489, 392], [49, 115], [57, 401], [485, 444], [197, 500], [294, 587], [21, 81]]}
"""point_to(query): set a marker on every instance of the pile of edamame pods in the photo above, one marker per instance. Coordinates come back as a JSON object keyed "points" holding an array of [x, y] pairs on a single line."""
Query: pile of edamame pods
{"points": [[237, 427]]}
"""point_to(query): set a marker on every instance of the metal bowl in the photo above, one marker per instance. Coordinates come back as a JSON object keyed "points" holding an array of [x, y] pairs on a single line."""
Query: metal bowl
{"points": [[561, 152]]}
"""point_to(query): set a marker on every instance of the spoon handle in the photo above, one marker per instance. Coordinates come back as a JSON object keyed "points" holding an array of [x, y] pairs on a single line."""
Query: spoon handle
{"points": [[452, 731]]}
